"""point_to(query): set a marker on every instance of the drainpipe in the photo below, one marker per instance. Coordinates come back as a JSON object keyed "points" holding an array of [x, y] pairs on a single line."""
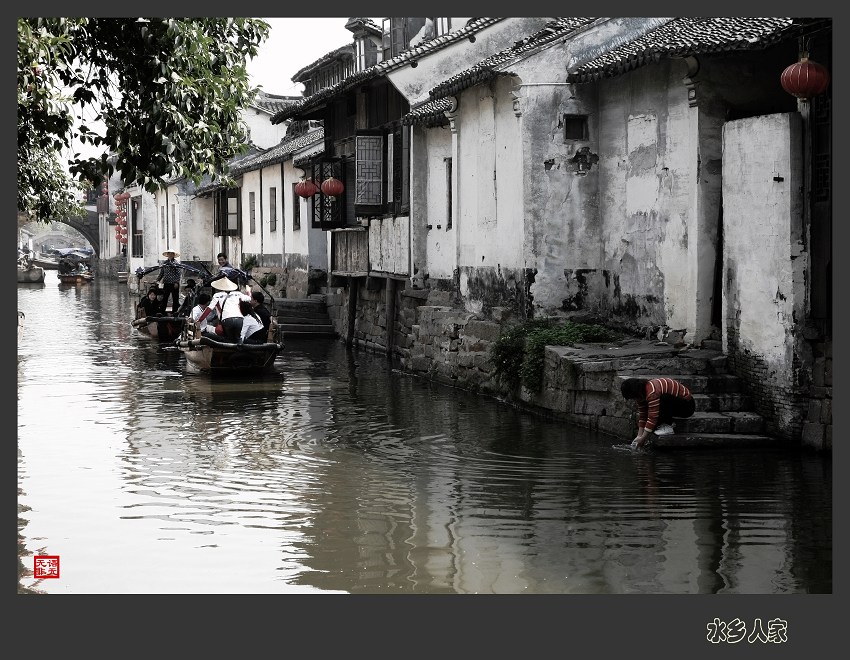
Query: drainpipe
{"points": [[261, 213], [451, 115]]}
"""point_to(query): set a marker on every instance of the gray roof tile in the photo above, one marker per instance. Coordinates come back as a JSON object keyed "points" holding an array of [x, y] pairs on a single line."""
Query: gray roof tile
{"points": [[685, 36]]}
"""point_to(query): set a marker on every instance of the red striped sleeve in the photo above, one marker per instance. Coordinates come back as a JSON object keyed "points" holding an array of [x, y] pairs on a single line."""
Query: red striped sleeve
{"points": [[654, 389]]}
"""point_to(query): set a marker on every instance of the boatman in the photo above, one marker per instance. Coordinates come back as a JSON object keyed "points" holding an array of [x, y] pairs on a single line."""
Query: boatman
{"points": [[169, 275]]}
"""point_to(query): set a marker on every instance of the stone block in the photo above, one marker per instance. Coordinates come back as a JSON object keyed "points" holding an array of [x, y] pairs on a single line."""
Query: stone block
{"points": [[826, 411], [813, 435], [482, 330], [746, 422]]}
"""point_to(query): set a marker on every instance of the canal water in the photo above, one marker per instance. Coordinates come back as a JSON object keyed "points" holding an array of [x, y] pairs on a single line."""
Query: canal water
{"points": [[337, 473]]}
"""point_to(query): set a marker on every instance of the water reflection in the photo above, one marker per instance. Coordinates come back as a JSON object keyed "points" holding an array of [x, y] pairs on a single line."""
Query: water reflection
{"points": [[338, 473]]}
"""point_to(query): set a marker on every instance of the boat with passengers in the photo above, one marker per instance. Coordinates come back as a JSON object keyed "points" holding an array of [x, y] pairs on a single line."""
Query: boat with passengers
{"points": [[211, 354]]}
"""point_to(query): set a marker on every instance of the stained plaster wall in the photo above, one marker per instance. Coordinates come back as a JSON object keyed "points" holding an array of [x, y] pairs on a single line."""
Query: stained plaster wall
{"points": [[488, 217], [764, 274], [435, 247], [194, 223]]}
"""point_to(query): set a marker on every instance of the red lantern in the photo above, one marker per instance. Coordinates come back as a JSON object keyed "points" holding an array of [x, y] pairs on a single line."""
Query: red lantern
{"points": [[332, 187], [805, 79], [306, 188], [123, 240]]}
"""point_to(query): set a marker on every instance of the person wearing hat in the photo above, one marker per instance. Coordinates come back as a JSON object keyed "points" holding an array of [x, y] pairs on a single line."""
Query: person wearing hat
{"points": [[225, 302], [169, 275]]}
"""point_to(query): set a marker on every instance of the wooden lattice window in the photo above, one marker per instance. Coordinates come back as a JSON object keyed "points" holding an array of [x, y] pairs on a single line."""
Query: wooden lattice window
{"points": [[328, 211]]}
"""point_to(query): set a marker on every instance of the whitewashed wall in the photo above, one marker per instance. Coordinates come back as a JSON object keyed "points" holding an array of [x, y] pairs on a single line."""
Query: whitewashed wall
{"points": [[489, 196], [441, 250], [765, 257], [263, 133]]}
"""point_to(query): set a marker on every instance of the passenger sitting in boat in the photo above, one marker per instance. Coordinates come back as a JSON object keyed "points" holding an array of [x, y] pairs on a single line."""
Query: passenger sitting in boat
{"points": [[253, 330], [209, 320], [226, 303], [149, 305], [260, 309], [189, 298]]}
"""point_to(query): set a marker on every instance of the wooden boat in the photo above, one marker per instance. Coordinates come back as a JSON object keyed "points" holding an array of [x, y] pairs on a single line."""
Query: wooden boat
{"points": [[21, 317], [164, 328], [46, 263], [206, 355], [75, 278], [30, 275]]}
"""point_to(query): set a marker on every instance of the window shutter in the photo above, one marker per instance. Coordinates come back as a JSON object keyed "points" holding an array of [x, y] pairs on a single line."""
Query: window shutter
{"points": [[369, 173]]}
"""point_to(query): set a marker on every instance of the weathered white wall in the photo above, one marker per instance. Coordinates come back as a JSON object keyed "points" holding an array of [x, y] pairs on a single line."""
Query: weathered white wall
{"points": [[440, 242], [263, 133], [252, 243], [489, 219], [648, 157], [764, 256]]}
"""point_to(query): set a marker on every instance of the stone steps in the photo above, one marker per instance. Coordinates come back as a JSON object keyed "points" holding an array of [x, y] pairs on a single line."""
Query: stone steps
{"points": [[724, 416], [713, 441], [304, 317]]}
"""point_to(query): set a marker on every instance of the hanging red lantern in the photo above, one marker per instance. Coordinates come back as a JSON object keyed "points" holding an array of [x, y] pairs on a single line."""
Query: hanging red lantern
{"points": [[123, 240], [805, 79], [306, 188], [332, 187]]}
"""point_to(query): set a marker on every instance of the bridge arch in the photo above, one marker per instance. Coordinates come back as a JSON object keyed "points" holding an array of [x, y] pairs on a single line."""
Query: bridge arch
{"points": [[88, 226]]}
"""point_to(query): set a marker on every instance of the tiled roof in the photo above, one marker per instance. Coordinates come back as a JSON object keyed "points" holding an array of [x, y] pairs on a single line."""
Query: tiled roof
{"points": [[430, 113], [272, 103], [365, 24], [279, 152], [342, 51], [232, 164], [489, 67], [382, 68], [685, 36]]}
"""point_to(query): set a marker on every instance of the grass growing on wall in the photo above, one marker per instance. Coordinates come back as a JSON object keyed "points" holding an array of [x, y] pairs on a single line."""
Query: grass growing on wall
{"points": [[518, 352]]}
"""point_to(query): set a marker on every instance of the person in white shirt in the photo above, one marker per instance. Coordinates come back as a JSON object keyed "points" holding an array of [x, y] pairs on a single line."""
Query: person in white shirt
{"points": [[198, 310], [226, 304], [253, 330]]}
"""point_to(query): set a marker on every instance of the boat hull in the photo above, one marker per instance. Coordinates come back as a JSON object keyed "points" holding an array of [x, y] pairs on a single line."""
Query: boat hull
{"points": [[32, 275], [47, 264], [205, 355], [161, 328], [75, 278]]}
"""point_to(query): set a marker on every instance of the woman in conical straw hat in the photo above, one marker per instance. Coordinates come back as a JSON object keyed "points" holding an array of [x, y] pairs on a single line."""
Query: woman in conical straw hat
{"points": [[226, 304]]}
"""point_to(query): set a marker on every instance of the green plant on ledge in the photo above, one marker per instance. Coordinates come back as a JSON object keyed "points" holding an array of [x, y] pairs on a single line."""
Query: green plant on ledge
{"points": [[249, 262], [269, 280], [517, 354]]}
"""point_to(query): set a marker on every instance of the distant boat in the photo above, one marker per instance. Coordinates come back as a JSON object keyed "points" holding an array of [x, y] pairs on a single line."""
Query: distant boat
{"points": [[46, 263], [30, 275], [75, 278]]}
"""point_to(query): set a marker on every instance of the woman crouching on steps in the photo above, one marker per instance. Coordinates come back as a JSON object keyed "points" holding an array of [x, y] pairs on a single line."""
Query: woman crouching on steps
{"points": [[658, 401]]}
